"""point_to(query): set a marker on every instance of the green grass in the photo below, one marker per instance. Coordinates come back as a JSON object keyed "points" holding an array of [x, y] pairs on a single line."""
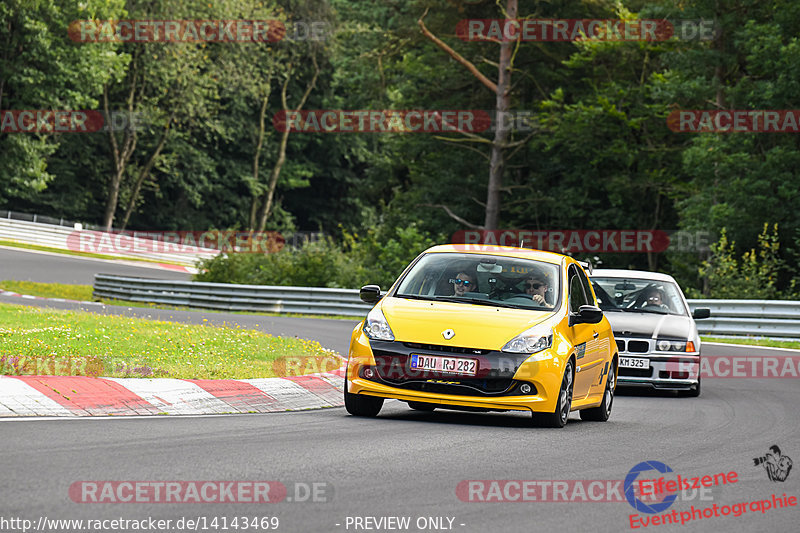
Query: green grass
{"points": [[49, 290], [795, 345], [46, 341], [26, 246]]}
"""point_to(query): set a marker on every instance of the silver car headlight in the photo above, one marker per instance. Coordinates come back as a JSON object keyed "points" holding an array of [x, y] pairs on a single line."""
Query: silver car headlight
{"points": [[664, 345], [531, 340], [376, 327]]}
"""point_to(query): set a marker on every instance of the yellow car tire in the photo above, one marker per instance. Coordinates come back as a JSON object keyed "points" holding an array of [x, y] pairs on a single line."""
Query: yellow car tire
{"points": [[422, 406], [558, 418], [603, 411], [361, 405]]}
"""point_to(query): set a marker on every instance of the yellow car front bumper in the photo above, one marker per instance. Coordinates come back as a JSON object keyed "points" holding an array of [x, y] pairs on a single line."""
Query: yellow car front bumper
{"points": [[544, 373]]}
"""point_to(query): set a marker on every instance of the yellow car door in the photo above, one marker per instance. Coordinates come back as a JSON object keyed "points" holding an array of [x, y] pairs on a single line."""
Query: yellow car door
{"points": [[598, 349], [582, 338]]}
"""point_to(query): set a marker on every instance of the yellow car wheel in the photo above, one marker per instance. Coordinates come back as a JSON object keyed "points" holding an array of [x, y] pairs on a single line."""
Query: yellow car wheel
{"points": [[421, 406], [603, 411], [558, 418], [361, 405]]}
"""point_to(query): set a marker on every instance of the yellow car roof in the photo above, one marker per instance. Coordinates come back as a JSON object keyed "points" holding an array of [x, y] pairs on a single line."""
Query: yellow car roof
{"points": [[505, 251]]}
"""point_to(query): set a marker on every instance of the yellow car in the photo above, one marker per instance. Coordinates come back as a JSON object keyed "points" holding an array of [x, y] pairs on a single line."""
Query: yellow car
{"points": [[482, 328]]}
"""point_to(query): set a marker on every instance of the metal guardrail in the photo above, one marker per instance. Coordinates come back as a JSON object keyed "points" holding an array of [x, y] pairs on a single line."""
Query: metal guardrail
{"points": [[232, 297], [759, 318], [66, 238], [26, 217], [763, 318], [53, 232]]}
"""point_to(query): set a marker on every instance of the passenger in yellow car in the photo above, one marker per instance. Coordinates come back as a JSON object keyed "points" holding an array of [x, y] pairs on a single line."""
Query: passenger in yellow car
{"points": [[463, 283]]}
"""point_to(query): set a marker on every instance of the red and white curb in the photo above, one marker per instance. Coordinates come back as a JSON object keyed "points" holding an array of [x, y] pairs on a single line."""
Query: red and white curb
{"points": [[87, 396]]}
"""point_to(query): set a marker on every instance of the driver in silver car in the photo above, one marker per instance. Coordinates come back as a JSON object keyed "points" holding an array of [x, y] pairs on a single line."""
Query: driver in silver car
{"points": [[654, 298]]}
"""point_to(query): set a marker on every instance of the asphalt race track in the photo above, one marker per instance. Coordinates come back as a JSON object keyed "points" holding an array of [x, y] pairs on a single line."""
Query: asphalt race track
{"points": [[407, 463], [47, 267]]}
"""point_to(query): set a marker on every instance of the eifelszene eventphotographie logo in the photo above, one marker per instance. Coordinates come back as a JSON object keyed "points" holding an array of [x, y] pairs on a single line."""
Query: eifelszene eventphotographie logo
{"points": [[777, 466]]}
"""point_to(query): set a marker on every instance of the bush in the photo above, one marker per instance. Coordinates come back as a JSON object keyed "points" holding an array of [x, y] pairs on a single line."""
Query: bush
{"points": [[377, 257], [754, 277]]}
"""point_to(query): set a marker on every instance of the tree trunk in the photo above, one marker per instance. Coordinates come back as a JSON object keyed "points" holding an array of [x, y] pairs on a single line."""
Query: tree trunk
{"points": [[652, 257], [146, 172], [112, 197], [501, 89], [257, 160], [120, 157], [269, 195], [502, 105]]}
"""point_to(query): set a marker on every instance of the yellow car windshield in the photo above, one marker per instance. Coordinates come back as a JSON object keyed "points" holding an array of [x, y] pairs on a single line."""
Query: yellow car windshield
{"points": [[483, 280]]}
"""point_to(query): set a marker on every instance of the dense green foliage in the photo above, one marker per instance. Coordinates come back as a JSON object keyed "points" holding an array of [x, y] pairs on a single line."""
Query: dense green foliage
{"points": [[377, 257], [599, 156], [755, 275]]}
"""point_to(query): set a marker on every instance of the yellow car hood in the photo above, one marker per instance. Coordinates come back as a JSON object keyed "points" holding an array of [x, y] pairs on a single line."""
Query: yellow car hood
{"points": [[475, 326]]}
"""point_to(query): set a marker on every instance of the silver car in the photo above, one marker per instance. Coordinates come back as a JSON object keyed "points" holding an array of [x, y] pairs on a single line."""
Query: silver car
{"points": [[654, 328]]}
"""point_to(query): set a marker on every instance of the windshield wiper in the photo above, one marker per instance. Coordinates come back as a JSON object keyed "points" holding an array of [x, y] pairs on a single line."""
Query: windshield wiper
{"points": [[476, 301], [642, 310], [414, 297]]}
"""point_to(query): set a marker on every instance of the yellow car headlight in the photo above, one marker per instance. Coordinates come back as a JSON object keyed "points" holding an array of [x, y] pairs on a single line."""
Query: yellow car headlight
{"points": [[376, 327], [531, 340]]}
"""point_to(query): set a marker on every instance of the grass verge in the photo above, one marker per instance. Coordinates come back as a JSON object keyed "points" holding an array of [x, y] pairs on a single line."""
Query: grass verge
{"points": [[82, 293], [52, 342], [794, 345]]}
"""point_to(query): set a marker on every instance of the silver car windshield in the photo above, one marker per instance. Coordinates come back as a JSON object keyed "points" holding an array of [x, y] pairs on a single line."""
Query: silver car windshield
{"points": [[638, 295], [483, 280]]}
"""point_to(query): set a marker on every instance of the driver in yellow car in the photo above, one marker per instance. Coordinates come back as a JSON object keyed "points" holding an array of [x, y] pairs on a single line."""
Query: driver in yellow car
{"points": [[536, 288]]}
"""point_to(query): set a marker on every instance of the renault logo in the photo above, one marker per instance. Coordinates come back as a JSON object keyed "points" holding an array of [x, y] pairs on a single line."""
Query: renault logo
{"points": [[448, 334]]}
